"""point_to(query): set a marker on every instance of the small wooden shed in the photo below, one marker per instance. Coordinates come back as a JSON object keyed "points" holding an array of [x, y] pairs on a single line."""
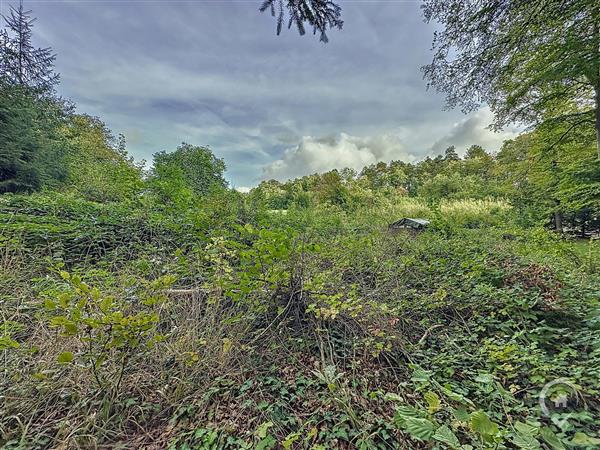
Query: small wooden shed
{"points": [[408, 223]]}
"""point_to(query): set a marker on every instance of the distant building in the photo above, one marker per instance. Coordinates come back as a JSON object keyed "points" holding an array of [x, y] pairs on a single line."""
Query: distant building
{"points": [[410, 224]]}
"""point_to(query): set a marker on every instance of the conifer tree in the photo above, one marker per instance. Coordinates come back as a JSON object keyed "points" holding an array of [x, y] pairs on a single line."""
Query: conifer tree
{"points": [[29, 112], [20, 62]]}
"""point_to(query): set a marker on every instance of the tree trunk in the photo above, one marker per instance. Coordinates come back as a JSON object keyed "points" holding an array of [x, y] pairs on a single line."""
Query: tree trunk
{"points": [[558, 225], [596, 75], [597, 89]]}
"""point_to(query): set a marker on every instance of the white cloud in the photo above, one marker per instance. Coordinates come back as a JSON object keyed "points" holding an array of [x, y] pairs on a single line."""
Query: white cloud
{"points": [[473, 130], [313, 155], [243, 189], [318, 155]]}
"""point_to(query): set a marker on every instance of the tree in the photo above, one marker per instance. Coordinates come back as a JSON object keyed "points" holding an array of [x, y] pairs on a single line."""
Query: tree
{"points": [[475, 151], [319, 14], [30, 154], [20, 62], [331, 189], [98, 165], [194, 169], [30, 157], [521, 57], [450, 154]]}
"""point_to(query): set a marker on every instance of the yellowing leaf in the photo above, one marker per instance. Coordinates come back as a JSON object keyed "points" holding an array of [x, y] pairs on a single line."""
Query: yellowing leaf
{"points": [[261, 431], [583, 439], [433, 400], [227, 344], [65, 357]]}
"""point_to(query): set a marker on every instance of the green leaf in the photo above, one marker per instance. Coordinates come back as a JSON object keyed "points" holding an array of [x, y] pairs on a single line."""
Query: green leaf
{"points": [[456, 396], [392, 397], [421, 429], [420, 375], [551, 439], [462, 415], [433, 400], [404, 412], [6, 343], [445, 435], [261, 431], [70, 328], [65, 357], [64, 299], [267, 443], [485, 378], [105, 304], [526, 429], [49, 304], [290, 439], [526, 441], [585, 440], [481, 423]]}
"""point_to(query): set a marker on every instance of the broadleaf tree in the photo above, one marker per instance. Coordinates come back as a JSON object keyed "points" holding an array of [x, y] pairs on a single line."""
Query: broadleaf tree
{"points": [[520, 57], [189, 170]]}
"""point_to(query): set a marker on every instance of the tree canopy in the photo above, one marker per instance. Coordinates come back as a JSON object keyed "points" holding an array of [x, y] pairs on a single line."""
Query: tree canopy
{"points": [[523, 58], [20, 62]]}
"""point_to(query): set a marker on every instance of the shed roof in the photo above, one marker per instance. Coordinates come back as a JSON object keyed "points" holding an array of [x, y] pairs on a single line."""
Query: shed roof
{"points": [[419, 221], [410, 222]]}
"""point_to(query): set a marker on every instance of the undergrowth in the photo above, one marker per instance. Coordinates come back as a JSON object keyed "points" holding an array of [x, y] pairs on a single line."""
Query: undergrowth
{"points": [[128, 327]]}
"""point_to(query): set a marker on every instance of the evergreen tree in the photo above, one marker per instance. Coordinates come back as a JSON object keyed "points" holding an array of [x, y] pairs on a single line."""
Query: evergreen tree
{"points": [[30, 156], [20, 62]]}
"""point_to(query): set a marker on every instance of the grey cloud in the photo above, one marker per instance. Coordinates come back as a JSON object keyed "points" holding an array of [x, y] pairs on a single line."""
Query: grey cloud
{"points": [[474, 130], [215, 73]]}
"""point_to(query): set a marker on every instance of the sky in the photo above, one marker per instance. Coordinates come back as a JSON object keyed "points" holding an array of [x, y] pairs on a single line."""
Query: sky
{"points": [[214, 72]]}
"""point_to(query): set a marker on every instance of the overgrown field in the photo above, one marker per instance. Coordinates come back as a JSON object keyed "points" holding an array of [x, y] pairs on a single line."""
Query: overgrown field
{"points": [[123, 327]]}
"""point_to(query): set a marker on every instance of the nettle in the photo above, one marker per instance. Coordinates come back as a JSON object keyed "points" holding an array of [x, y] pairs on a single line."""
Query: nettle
{"points": [[105, 330]]}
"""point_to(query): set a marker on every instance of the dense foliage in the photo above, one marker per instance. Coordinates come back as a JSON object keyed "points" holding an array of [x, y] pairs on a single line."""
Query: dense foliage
{"points": [[311, 329], [160, 309]]}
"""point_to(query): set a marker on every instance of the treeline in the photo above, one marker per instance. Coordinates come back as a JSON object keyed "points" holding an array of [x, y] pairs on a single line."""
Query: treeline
{"points": [[550, 180], [550, 174], [45, 145]]}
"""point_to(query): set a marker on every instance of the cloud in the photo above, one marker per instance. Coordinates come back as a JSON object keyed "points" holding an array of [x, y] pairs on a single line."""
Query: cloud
{"points": [[313, 155], [164, 73], [473, 129]]}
